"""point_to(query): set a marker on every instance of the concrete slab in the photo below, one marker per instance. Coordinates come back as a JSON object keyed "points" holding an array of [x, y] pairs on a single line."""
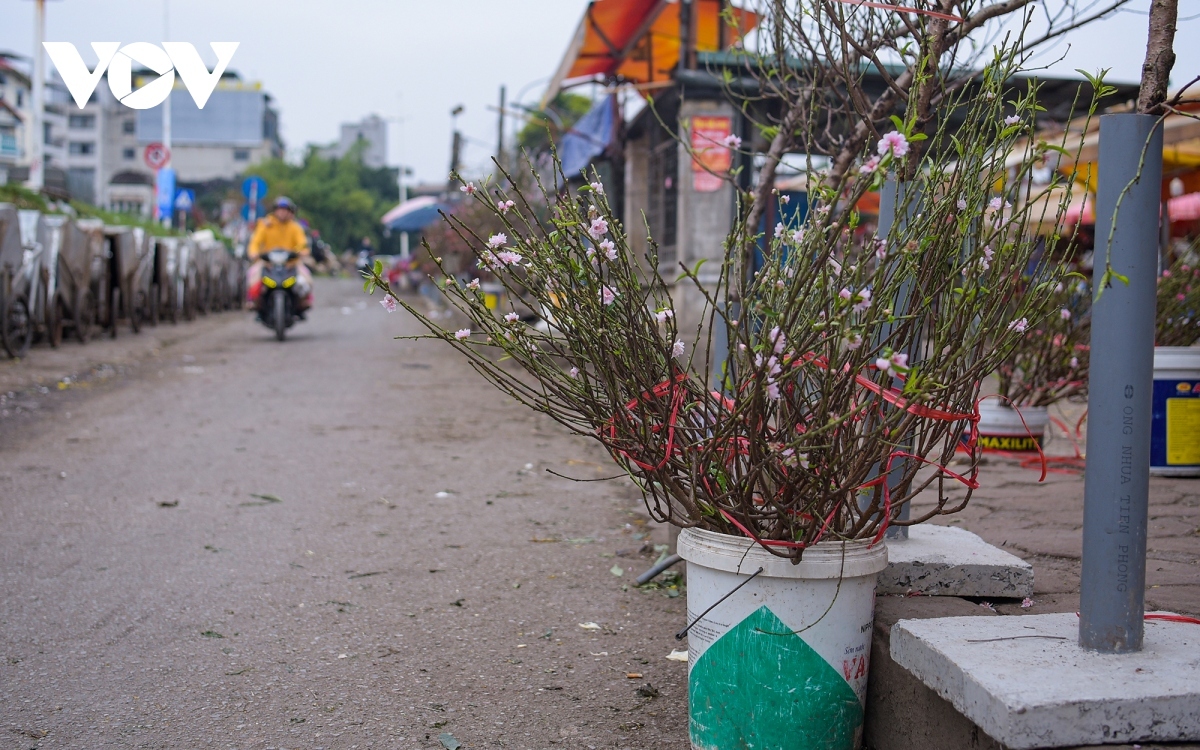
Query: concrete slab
{"points": [[948, 561], [1026, 682]]}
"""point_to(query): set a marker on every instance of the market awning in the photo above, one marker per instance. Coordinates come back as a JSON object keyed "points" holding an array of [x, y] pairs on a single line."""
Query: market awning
{"points": [[414, 215], [638, 40], [1184, 208]]}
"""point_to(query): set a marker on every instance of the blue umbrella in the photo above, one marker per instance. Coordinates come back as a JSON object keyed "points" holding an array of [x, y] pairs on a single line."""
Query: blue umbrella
{"points": [[414, 215]]}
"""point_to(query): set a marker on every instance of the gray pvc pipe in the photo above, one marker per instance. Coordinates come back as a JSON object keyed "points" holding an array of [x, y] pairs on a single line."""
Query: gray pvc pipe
{"points": [[1117, 476], [653, 573]]}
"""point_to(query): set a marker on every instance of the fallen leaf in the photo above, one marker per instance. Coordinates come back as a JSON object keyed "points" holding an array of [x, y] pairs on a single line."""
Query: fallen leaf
{"points": [[543, 540], [211, 634], [617, 570], [448, 741], [590, 626], [678, 655], [269, 498]]}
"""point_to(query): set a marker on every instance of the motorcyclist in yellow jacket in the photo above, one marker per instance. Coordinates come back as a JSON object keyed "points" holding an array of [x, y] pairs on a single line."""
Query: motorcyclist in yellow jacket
{"points": [[279, 231]]}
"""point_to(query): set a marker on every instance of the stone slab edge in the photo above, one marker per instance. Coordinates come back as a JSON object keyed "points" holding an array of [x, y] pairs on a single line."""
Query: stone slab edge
{"points": [[948, 561], [1061, 718]]}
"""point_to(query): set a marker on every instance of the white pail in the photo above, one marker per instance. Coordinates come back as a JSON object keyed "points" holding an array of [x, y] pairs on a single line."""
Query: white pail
{"points": [[1175, 427], [782, 663], [1001, 428]]}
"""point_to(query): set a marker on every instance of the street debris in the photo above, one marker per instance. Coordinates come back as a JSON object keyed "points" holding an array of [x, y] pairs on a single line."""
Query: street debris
{"points": [[678, 655], [448, 741], [590, 626], [211, 634], [633, 675], [647, 691], [266, 498], [168, 503], [442, 494]]}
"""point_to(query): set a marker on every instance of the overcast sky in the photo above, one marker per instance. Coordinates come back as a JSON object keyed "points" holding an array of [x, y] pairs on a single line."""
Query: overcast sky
{"points": [[327, 62]]}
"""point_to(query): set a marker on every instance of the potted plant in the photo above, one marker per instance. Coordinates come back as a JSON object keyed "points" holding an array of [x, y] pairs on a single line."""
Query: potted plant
{"points": [[854, 365]]}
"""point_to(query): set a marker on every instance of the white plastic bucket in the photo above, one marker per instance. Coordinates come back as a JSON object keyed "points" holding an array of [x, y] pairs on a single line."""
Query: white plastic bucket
{"points": [[782, 663], [1001, 428], [1175, 427]]}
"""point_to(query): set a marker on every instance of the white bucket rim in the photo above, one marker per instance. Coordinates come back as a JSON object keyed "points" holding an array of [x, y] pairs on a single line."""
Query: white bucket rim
{"points": [[1176, 359], [738, 554]]}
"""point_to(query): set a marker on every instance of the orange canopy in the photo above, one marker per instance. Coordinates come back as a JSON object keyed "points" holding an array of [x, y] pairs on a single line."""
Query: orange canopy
{"points": [[638, 40]]}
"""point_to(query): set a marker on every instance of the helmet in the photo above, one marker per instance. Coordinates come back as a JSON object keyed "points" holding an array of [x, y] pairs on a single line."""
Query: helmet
{"points": [[285, 202]]}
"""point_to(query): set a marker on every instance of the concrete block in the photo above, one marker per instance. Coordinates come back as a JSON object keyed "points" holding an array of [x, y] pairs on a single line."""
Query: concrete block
{"points": [[948, 561], [1026, 682]]}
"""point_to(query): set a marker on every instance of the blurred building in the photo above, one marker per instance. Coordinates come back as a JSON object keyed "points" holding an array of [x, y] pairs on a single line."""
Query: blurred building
{"points": [[237, 127], [372, 131], [14, 103]]}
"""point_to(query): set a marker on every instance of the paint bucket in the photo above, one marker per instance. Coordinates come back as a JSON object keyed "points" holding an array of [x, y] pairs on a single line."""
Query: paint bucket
{"points": [[1001, 428], [1175, 428], [782, 663]]}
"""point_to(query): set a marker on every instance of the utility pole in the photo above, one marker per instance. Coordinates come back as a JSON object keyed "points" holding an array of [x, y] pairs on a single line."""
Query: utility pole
{"points": [[500, 131], [456, 141], [36, 136], [166, 106]]}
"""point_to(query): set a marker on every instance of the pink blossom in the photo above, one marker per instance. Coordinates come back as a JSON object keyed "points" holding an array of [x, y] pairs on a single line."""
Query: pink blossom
{"points": [[1185, 268], [853, 341], [962, 204], [1074, 363], [1065, 314], [505, 206], [894, 142], [892, 365], [473, 284], [1057, 341], [779, 230], [780, 285], [598, 228], [462, 333], [573, 372], [880, 248], [1012, 120], [1019, 325], [778, 339], [469, 188], [772, 390], [610, 250], [607, 294], [512, 317], [389, 304], [663, 315], [845, 293], [508, 257], [1180, 297], [798, 236], [677, 349], [732, 141], [597, 187], [1026, 603], [785, 199], [870, 165], [995, 204], [864, 301], [497, 240]]}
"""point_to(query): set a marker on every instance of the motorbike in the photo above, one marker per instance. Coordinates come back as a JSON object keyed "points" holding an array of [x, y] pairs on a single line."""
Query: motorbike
{"points": [[280, 298]]}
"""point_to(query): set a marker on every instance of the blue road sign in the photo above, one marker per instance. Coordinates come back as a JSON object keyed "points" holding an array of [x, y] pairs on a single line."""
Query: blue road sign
{"points": [[258, 213], [185, 198], [166, 192], [254, 187]]}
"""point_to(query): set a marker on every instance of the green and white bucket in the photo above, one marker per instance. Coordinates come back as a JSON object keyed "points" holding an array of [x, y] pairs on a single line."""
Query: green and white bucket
{"points": [[782, 663]]}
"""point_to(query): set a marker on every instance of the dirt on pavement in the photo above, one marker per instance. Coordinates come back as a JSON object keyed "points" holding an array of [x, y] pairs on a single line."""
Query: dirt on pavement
{"points": [[211, 539]]}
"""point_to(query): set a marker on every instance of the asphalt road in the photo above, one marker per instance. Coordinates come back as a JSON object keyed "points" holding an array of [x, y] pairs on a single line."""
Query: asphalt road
{"points": [[212, 540]]}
